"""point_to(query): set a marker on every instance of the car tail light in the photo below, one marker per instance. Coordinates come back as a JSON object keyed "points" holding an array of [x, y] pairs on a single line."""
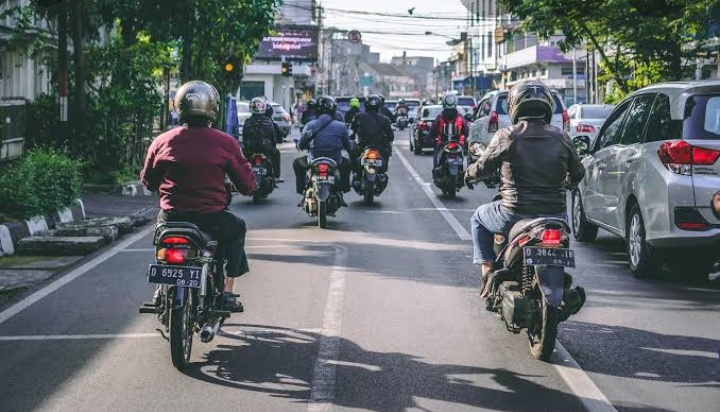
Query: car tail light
{"points": [[323, 169], [585, 128], [679, 156], [689, 218], [494, 121], [423, 126], [175, 240], [566, 120], [551, 236]]}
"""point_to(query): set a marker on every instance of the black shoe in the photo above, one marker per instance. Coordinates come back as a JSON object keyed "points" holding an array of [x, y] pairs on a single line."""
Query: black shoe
{"points": [[279, 180], [232, 303]]}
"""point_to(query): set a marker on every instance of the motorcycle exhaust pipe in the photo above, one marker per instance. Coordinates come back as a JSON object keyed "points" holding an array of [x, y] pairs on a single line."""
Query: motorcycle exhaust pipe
{"points": [[207, 333]]}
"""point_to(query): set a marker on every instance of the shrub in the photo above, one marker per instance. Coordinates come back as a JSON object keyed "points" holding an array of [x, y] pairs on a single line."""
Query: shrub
{"points": [[41, 182]]}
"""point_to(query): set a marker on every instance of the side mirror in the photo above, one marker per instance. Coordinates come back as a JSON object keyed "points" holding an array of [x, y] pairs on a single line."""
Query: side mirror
{"points": [[582, 144]]}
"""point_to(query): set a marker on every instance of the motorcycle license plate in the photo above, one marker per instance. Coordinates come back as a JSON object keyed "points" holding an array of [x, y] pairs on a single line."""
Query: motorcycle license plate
{"points": [[455, 161], [372, 162], [259, 171], [324, 179], [175, 275], [549, 256]]}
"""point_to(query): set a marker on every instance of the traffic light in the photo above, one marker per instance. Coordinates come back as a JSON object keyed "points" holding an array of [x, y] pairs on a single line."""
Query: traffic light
{"points": [[286, 69], [232, 68]]}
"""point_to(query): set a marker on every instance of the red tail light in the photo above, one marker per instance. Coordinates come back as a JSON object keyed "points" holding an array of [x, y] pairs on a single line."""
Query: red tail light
{"points": [[585, 128], [373, 154], [678, 155], [494, 122], [689, 218], [423, 126], [257, 160], [566, 120], [551, 236], [175, 256], [323, 168], [175, 240]]}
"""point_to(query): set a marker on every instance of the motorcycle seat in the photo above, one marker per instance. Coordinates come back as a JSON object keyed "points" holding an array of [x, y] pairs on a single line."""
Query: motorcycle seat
{"points": [[318, 160], [527, 225], [182, 229]]}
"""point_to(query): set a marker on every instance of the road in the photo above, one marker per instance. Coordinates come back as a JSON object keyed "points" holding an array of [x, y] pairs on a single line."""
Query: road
{"points": [[380, 312]]}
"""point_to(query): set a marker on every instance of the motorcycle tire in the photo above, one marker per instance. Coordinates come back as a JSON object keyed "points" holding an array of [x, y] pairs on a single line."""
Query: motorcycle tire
{"points": [[543, 344], [369, 194], [322, 215], [181, 332]]}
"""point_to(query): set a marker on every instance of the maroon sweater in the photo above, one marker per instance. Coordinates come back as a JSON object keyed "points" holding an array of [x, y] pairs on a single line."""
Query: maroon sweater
{"points": [[187, 166]]}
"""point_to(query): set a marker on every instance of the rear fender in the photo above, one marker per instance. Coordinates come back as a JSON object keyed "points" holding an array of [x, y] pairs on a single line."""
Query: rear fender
{"points": [[370, 173], [322, 191], [179, 296], [551, 280]]}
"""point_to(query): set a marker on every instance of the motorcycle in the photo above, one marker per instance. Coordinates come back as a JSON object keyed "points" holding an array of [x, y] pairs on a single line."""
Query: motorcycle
{"points": [[322, 196], [189, 272], [373, 180], [449, 175], [402, 122], [529, 287], [264, 178]]}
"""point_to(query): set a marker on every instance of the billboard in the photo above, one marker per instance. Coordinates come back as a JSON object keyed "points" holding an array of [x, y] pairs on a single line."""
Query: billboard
{"points": [[291, 42]]}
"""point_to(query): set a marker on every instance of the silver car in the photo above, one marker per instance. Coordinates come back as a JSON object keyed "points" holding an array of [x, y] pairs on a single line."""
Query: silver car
{"points": [[243, 112], [586, 119], [282, 118], [652, 178], [492, 115]]}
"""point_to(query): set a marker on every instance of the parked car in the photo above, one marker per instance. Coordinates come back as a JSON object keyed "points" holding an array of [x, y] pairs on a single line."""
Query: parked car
{"points": [[586, 119], [652, 178], [243, 111], [420, 130], [492, 115], [282, 118]]}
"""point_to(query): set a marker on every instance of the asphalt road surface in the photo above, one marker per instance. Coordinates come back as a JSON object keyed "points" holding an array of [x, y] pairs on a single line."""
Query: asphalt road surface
{"points": [[379, 312]]}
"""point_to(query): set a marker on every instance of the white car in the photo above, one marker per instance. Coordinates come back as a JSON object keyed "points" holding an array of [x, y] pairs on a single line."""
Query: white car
{"points": [[586, 119], [243, 112]]}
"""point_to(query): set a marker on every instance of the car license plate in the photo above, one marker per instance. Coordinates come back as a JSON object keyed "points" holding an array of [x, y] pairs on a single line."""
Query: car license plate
{"points": [[549, 256], [259, 170], [324, 179], [175, 275], [372, 162]]}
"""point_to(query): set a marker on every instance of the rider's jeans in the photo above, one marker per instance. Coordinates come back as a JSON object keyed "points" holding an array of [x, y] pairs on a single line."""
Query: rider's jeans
{"points": [[492, 218]]}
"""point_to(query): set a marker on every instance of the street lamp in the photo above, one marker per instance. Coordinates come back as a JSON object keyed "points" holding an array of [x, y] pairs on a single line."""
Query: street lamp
{"points": [[452, 42]]}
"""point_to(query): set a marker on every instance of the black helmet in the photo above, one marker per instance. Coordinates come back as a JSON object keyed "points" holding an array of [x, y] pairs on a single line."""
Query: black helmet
{"points": [[531, 99], [449, 101], [311, 104], [401, 101], [326, 105], [197, 99], [382, 99], [373, 103]]}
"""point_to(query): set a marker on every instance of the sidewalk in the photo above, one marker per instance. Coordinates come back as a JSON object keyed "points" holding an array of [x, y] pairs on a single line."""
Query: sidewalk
{"points": [[20, 273]]}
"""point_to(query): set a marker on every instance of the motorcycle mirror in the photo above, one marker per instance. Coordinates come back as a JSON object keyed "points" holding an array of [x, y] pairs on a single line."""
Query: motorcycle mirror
{"points": [[582, 144]]}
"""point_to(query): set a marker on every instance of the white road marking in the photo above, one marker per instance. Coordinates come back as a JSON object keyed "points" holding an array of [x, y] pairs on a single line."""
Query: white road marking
{"points": [[81, 337], [324, 374], [577, 380], [462, 233], [35, 297]]}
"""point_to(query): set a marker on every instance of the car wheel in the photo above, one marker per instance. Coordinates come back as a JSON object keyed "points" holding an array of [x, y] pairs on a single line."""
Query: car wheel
{"points": [[644, 262], [583, 230]]}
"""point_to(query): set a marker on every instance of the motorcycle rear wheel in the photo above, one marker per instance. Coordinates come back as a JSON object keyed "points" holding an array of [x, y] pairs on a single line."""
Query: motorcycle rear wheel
{"points": [[542, 345], [450, 194], [322, 215], [181, 332], [369, 194]]}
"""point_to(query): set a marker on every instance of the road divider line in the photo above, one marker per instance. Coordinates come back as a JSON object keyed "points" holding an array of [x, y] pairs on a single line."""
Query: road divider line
{"points": [[72, 275], [459, 229], [81, 337], [579, 382], [322, 389]]}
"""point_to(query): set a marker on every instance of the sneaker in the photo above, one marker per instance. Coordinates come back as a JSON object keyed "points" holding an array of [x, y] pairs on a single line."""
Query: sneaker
{"points": [[232, 303]]}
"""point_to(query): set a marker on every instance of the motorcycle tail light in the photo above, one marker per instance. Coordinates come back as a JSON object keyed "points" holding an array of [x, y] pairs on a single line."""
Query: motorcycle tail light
{"points": [[172, 256], [551, 236], [323, 168], [258, 160], [175, 240], [452, 145], [373, 154]]}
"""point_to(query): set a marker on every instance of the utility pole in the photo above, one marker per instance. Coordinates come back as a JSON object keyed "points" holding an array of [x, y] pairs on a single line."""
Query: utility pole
{"points": [[574, 57], [63, 69]]}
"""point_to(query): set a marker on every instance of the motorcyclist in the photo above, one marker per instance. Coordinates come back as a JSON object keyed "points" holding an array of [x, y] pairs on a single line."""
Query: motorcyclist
{"points": [[324, 137], [384, 110], [372, 129], [442, 125], [401, 109], [269, 111], [354, 109], [310, 113], [187, 167], [259, 133], [537, 162]]}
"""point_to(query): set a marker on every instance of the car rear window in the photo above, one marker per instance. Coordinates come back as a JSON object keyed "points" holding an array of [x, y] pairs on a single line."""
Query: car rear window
{"points": [[466, 101], [243, 108], [702, 117], [502, 104], [431, 112], [599, 112]]}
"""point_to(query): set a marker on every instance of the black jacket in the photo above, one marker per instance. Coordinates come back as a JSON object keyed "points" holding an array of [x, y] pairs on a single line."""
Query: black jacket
{"points": [[308, 116], [387, 113], [259, 134], [350, 114], [537, 163], [373, 128]]}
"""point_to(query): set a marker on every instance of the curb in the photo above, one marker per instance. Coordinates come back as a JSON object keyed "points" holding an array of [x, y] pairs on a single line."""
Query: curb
{"points": [[11, 233], [135, 188]]}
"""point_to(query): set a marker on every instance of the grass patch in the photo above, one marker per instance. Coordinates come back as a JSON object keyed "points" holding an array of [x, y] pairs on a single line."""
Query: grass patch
{"points": [[18, 260]]}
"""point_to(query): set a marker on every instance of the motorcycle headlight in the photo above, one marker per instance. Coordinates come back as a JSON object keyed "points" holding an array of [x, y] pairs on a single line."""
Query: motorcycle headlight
{"points": [[477, 148]]}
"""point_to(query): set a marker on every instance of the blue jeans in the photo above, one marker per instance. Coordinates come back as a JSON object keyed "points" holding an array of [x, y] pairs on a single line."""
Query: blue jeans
{"points": [[489, 219]]}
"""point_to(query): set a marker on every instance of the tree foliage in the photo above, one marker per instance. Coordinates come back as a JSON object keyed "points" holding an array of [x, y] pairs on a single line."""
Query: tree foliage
{"points": [[639, 41]]}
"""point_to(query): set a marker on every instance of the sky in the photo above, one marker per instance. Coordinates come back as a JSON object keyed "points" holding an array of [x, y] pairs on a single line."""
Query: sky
{"points": [[447, 18]]}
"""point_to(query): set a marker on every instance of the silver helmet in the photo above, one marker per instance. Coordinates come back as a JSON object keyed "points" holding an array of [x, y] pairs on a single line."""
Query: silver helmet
{"points": [[197, 99]]}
